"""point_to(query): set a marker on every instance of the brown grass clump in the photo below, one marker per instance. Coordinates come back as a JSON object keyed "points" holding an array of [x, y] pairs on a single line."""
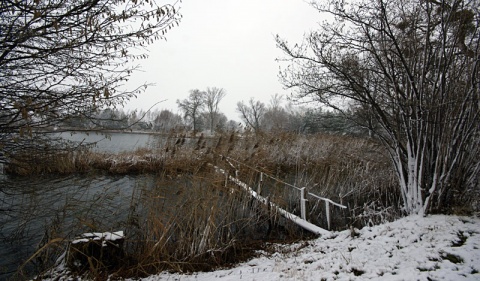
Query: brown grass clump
{"points": [[191, 222], [136, 162], [348, 170], [204, 226]]}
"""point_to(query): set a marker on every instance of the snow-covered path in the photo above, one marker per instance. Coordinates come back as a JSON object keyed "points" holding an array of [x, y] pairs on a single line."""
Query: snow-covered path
{"points": [[412, 248]]}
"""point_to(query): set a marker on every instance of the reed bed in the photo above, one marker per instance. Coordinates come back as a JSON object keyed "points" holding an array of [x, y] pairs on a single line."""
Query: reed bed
{"points": [[346, 169], [204, 226], [192, 219], [352, 171], [187, 223]]}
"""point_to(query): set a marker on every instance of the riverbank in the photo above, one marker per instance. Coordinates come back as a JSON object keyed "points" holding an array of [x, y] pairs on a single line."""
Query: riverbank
{"points": [[436, 247], [216, 228], [412, 248]]}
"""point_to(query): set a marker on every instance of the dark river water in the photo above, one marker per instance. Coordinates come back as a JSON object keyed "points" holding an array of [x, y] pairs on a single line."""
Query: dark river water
{"points": [[37, 209]]}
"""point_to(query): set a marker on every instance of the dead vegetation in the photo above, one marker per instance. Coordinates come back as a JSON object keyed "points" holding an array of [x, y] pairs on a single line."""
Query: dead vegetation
{"points": [[206, 222], [349, 170]]}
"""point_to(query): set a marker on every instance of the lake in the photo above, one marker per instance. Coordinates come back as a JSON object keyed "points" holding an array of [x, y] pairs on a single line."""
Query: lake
{"points": [[113, 142]]}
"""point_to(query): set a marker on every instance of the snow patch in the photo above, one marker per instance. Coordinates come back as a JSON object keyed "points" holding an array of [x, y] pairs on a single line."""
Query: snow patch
{"points": [[105, 236]]}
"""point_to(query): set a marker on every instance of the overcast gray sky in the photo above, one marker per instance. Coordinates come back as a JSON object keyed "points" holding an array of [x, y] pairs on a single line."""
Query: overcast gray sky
{"points": [[226, 44]]}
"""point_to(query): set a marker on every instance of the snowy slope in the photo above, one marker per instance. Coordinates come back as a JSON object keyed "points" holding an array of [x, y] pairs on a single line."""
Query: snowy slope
{"points": [[412, 248]]}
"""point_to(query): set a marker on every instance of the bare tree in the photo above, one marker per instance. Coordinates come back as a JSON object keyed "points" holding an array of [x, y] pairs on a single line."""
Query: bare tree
{"points": [[192, 107], [220, 121], [65, 59], [166, 121], [252, 113], [111, 118], [276, 101], [275, 117], [213, 96], [232, 125], [412, 67]]}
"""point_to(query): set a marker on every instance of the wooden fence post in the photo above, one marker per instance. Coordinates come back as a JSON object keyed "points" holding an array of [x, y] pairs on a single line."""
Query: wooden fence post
{"points": [[259, 189], [327, 211], [303, 207]]}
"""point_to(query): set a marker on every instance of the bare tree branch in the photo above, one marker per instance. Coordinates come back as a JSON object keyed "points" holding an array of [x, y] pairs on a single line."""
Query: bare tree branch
{"points": [[410, 69], [64, 59]]}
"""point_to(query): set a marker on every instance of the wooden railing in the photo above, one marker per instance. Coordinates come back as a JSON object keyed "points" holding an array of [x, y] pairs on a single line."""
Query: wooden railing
{"points": [[302, 190]]}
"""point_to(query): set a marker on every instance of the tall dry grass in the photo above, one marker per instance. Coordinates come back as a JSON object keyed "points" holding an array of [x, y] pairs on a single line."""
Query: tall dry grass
{"points": [[349, 170], [204, 225], [176, 155], [191, 222], [352, 171], [192, 219]]}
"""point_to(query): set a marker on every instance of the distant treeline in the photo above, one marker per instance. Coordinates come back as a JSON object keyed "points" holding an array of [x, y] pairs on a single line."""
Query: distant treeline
{"points": [[280, 119]]}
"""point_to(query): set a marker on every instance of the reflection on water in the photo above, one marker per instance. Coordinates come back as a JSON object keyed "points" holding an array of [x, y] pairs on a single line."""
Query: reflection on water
{"points": [[34, 210]]}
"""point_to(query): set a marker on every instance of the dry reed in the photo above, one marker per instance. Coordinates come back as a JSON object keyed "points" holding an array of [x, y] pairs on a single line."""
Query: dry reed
{"points": [[203, 223]]}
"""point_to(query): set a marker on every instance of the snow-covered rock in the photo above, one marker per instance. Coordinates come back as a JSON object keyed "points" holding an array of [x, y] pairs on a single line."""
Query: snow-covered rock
{"points": [[98, 249]]}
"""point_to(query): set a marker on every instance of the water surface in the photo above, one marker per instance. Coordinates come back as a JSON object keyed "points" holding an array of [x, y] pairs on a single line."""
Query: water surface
{"points": [[113, 142], [37, 209]]}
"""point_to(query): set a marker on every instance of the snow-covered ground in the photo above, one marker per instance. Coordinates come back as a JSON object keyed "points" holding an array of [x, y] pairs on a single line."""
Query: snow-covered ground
{"points": [[412, 248]]}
